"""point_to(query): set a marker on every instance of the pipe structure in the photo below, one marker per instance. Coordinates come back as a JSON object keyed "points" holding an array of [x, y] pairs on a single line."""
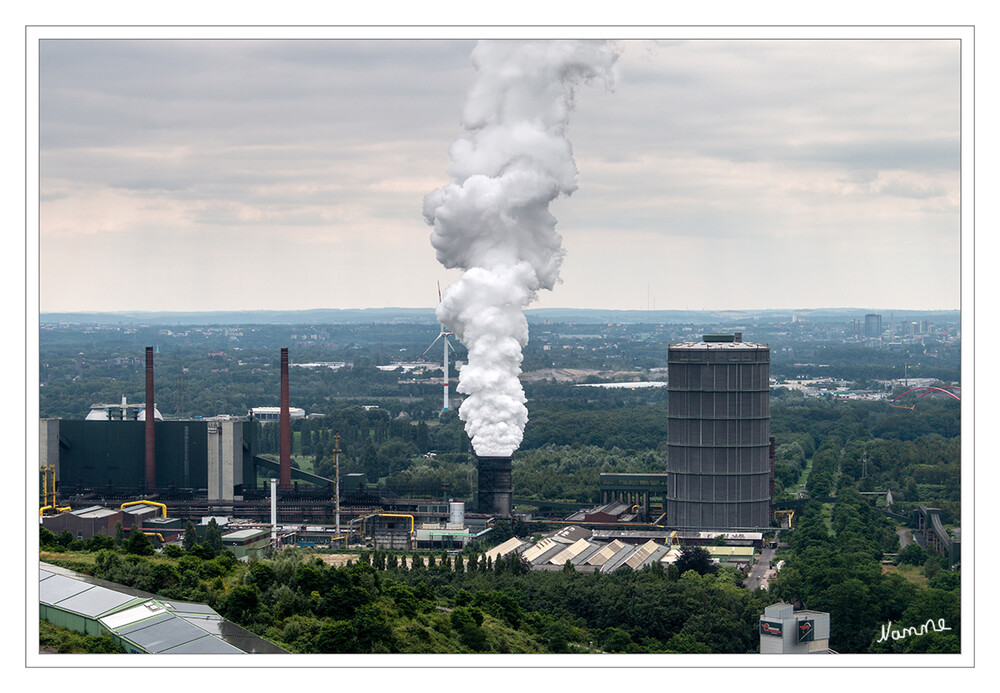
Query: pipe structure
{"points": [[161, 506], [150, 419], [336, 467], [274, 513], [286, 427]]}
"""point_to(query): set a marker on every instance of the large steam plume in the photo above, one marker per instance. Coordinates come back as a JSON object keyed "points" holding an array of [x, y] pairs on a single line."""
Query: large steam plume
{"points": [[493, 219]]}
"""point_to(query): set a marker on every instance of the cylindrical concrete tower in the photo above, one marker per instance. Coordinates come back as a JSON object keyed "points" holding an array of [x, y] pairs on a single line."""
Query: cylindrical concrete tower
{"points": [[718, 434]]}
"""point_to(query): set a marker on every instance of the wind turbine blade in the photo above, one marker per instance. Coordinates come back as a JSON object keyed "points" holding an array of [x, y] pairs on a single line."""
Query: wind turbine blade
{"points": [[431, 344]]}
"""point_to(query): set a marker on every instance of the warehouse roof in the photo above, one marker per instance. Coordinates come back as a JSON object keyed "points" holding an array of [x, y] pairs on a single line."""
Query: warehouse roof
{"points": [[94, 511], [76, 596], [603, 555], [538, 549], [730, 551], [570, 552], [618, 559], [505, 548], [241, 534], [150, 622]]}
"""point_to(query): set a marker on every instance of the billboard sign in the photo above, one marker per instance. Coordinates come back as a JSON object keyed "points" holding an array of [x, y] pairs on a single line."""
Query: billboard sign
{"points": [[770, 628], [807, 631]]}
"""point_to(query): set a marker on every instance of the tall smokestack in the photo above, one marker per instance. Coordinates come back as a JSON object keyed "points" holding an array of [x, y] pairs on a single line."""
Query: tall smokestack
{"points": [[496, 488], [150, 419], [285, 481]]}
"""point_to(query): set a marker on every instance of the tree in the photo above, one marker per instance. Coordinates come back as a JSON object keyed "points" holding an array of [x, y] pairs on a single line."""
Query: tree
{"points": [[911, 554], [467, 622], [190, 536], [213, 536], [370, 461], [138, 543], [695, 558]]}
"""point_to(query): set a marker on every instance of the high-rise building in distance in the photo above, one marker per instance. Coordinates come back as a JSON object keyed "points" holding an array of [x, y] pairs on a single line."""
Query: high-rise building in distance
{"points": [[873, 326]]}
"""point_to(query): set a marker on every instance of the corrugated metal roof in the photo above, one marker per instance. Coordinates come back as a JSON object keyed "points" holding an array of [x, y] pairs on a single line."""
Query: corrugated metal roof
{"points": [[505, 548], [587, 553], [95, 602], [570, 552], [602, 556], [188, 608], [571, 534], [204, 645], [241, 534], [641, 554], [618, 560], [538, 549], [670, 556], [653, 555], [162, 633], [730, 551], [55, 588], [233, 634], [137, 613], [549, 553], [154, 624]]}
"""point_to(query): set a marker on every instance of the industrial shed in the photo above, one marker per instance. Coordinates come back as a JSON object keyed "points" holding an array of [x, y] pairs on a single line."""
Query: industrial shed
{"points": [[246, 542], [138, 621]]}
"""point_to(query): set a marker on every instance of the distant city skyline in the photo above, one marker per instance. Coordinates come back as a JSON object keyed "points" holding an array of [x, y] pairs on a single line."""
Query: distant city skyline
{"points": [[290, 175]]}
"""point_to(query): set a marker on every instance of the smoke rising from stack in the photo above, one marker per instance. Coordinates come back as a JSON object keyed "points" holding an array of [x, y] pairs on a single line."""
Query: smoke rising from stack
{"points": [[493, 219]]}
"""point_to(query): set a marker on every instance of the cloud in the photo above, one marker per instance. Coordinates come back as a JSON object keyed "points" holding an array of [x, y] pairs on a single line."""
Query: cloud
{"points": [[799, 146]]}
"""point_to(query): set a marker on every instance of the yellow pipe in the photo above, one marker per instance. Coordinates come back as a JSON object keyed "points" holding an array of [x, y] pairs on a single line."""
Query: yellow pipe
{"points": [[161, 506], [65, 509], [395, 515], [155, 534]]}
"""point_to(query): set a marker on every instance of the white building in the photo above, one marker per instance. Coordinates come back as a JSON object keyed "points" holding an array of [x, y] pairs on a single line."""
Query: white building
{"points": [[271, 414]]}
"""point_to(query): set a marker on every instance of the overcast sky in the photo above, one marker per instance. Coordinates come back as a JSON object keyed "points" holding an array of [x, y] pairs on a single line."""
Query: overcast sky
{"points": [[210, 175]]}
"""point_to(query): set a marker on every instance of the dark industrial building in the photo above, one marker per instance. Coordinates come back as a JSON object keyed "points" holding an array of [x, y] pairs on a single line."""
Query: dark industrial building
{"points": [[720, 467], [119, 457]]}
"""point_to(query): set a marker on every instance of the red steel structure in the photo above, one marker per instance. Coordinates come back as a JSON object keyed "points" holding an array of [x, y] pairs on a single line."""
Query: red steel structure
{"points": [[946, 389]]}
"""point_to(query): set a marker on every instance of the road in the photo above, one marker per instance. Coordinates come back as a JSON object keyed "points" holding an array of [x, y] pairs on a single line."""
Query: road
{"points": [[756, 574]]}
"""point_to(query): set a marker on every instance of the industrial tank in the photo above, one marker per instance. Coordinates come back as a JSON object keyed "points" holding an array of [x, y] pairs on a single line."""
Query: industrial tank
{"points": [[718, 424]]}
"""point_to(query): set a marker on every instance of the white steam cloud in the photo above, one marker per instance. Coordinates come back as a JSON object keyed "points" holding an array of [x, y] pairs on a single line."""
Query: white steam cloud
{"points": [[493, 219]]}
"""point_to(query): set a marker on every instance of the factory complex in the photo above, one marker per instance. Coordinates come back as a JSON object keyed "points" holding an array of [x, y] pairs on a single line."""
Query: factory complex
{"points": [[720, 474], [120, 471]]}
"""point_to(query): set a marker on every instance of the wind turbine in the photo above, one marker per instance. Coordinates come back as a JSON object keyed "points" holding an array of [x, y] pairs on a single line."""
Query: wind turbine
{"points": [[447, 345]]}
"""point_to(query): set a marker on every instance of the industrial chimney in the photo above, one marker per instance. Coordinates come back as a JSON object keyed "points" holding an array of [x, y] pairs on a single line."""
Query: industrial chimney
{"points": [[150, 419], [496, 490], [285, 472]]}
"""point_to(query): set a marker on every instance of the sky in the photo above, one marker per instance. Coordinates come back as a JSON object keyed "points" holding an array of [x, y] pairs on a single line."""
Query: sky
{"points": [[290, 174]]}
